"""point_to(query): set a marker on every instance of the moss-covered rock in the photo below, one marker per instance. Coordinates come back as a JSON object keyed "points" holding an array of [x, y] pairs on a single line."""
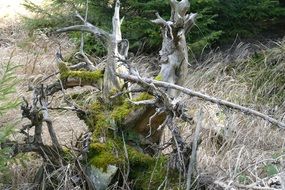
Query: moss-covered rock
{"points": [[104, 154], [145, 171]]}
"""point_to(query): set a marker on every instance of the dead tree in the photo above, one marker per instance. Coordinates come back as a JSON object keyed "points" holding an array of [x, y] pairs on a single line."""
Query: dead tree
{"points": [[147, 117], [174, 52], [116, 46]]}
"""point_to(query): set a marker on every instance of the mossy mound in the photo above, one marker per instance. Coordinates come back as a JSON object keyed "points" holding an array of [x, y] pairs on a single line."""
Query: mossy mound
{"points": [[111, 116], [108, 146], [145, 171]]}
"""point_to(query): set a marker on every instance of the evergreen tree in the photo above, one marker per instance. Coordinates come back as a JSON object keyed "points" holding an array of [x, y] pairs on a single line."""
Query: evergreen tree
{"points": [[7, 88], [218, 20]]}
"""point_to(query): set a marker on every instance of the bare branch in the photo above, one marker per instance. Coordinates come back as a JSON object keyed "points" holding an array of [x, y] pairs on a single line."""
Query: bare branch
{"points": [[160, 21], [117, 23], [87, 28], [144, 102], [190, 92], [178, 9]]}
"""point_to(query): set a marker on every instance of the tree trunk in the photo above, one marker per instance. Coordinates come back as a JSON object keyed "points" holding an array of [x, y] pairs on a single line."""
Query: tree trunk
{"points": [[116, 53], [117, 50], [174, 52]]}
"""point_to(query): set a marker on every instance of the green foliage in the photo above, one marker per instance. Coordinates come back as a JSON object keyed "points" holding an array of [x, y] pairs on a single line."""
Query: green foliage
{"points": [[243, 179], [50, 15], [271, 169], [247, 17], [91, 44], [218, 21], [7, 88], [5, 132], [7, 84]]}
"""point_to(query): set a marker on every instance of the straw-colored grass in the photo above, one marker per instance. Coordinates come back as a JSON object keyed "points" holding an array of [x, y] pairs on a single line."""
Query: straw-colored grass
{"points": [[235, 147], [238, 148]]}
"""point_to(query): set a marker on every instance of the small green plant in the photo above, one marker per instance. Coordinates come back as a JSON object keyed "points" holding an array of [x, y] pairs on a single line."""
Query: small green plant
{"points": [[7, 88], [243, 179], [271, 169]]}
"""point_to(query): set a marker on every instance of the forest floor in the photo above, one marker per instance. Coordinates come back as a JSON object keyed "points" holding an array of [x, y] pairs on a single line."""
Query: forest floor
{"points": [[251, 150], [35, 54]]}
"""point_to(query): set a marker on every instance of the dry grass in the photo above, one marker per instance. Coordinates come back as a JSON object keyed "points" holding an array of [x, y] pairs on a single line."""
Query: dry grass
{"points": [[249, 144], [236, 148], [35, 52], [239, 148]]}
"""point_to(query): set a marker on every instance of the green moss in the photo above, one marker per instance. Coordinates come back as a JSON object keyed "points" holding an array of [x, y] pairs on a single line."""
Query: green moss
{"points": [[63, 68], [98, 146], [85, 76], [104, 116], [159, 77], [112, 152], [98, 118], [102, 155], [149, 172], [145, 170], [125, 108], [138, 158], [143, 96], [121, 111]]}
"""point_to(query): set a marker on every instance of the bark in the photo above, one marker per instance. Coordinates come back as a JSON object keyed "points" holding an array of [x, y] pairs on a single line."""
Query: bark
{"points": [[174, 53]]}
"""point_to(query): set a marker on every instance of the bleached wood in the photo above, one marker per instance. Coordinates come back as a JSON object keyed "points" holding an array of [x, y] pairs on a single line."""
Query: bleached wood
{"points": [[117, 49], [205, 97], [174, 52]]}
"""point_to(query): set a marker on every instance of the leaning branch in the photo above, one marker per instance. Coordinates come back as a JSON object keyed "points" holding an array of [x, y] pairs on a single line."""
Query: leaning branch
{"points": [[86, 28], [190, 92]]}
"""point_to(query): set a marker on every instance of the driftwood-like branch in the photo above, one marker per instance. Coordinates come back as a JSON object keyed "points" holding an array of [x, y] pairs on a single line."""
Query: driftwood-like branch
{"points": [[116, 48], [86, 28], [37, 113], [178, 9], [173, 53], [190, 92], [159, 20], [40, 103]]}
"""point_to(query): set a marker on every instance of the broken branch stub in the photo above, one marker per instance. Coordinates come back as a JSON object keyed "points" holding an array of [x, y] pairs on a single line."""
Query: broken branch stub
{"points": [[174, 53]]}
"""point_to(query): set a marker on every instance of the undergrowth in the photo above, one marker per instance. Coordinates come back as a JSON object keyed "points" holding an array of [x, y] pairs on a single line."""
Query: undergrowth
{"points": [[7, 88], [248, 76]]}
